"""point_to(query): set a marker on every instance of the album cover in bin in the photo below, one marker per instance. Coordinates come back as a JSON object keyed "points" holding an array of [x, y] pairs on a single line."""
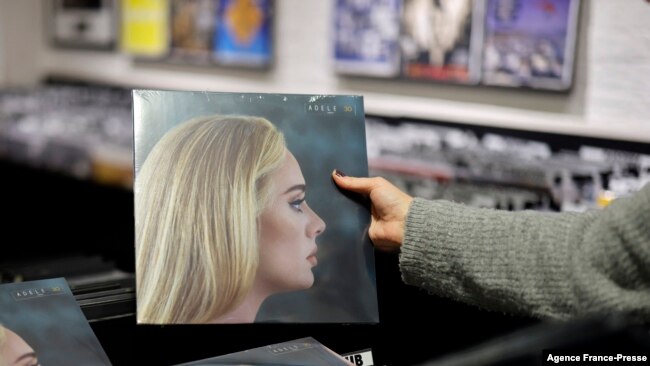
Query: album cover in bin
{"points": [[42, 324], [304, 351], [237, 217]]}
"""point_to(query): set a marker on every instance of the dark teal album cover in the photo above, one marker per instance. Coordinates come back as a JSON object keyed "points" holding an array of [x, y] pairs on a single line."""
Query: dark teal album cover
{"points": [[237, 217], [42, 324], [299, 352]]}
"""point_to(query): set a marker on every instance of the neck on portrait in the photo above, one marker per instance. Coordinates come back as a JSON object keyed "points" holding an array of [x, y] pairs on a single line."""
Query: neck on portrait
{"points": [[247, 310]]}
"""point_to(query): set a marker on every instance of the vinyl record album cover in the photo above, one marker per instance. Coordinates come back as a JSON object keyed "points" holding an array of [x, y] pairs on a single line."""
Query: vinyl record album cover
{"points": [[440, 41], [192, 29], [237, 217], [42, 324], [145, 27], [530, 43], [366, 37], [243, 34], [304, 351]]}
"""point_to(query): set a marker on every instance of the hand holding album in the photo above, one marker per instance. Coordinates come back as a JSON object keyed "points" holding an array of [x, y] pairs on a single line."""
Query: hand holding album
{"points": [[389, 207]]}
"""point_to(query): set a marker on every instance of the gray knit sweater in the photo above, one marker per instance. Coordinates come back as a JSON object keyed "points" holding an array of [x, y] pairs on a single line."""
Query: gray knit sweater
{"points": [[549, 265]]}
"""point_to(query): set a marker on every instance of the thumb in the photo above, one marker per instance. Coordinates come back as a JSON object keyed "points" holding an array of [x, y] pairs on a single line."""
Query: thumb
{"points": [[358, 185]]}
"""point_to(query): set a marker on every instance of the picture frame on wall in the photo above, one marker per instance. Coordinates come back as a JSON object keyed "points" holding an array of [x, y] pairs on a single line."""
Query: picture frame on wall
{"points": [[244, 34], [504, 43], [192, 27], [441, 40], [145, 28], [366, 37], [530, 44], [83, 24]]}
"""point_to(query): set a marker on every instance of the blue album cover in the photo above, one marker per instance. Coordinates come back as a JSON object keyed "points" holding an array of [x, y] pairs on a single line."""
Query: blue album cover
{"points": [[42, 324], [530, 43], [300, 352], [237, 217], [366, 37], [243, 33]]}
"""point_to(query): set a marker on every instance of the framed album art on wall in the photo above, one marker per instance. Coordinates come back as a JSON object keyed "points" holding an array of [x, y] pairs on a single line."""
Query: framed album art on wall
{"points": [[530, 43]]}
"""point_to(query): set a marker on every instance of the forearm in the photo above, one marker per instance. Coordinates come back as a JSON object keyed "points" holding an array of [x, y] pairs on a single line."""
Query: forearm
{"points": [[543, 264]]}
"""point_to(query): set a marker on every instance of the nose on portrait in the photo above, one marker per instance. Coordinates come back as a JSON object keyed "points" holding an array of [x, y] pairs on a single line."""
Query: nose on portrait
{"points": [[316, 224]]}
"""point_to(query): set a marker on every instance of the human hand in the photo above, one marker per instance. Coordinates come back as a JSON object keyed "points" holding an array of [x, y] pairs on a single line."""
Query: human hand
{"points": [[388, 207]]}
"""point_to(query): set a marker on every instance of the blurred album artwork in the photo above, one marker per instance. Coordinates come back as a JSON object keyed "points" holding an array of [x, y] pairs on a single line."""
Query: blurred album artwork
{"points": [[41, 324], [304, 351], [367, 37], [243, 33], [192, 29], [440, 41], [530, 43], [145, 27], [237, 217]]}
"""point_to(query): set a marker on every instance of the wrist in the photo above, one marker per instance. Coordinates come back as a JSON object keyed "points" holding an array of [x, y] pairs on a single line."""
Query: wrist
{"points": [[401, 223]]}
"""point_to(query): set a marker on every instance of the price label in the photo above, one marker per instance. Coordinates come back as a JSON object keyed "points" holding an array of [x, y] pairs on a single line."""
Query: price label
{"points": [[361, 358]]}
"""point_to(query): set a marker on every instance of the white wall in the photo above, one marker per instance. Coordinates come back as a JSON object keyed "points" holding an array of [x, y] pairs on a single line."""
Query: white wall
{"points": [[618, 93], [611, 97], [2, 57], [21, 39]]}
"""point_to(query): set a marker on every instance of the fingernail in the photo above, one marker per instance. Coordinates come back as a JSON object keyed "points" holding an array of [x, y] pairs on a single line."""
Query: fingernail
{"points": [[339, 173]]}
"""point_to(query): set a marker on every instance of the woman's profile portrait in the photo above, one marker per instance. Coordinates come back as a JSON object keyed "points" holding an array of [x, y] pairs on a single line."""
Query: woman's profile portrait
{"points": [[223, 222], [14, 350], [237, 219]]}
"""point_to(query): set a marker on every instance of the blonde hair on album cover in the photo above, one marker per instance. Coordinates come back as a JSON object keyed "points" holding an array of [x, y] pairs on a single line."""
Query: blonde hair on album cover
{"points": [[3, 338], [197, 199]]}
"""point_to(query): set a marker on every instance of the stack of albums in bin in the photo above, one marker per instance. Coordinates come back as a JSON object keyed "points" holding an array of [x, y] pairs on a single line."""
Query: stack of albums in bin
{"points": [[41, 324], [237, 217], [304, 351]]}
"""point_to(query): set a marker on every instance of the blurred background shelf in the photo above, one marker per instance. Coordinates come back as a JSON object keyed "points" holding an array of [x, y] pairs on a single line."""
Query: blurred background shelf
{"points": [[85, 132]]}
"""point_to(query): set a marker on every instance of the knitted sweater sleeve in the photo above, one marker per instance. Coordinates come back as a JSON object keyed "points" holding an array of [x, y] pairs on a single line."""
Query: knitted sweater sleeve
{"points": [[549, 265]]}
